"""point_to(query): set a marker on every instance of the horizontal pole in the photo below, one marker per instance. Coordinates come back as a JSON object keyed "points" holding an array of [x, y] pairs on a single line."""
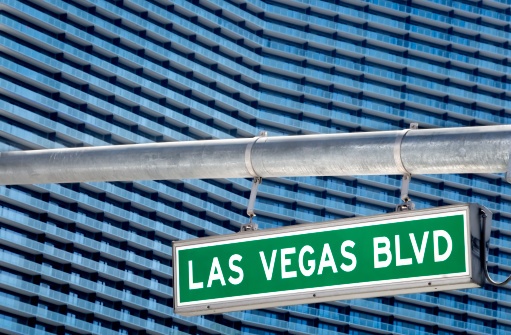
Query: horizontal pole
{"points": [[427, 151]]}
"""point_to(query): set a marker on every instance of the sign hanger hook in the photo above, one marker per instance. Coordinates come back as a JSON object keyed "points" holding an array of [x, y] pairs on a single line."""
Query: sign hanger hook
{"points": [[255, 185], [484, 246], [407, 205]]}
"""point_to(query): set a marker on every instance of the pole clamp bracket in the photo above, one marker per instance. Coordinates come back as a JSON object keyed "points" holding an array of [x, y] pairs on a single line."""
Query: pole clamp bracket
{"points": [[407, 205], [250, 226]]}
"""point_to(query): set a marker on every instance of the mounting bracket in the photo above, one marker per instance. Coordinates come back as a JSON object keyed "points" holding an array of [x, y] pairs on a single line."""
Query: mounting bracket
{"points": [[407, 205], [484, 246], [255, 185]]}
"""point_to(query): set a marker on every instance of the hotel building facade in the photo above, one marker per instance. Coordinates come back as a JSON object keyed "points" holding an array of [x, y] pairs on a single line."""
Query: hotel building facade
{"points": [[95, 258]]}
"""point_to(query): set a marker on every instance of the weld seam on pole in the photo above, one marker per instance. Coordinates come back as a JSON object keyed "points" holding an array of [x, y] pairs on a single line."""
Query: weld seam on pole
{"points": [[248, 157], [397, 152]]}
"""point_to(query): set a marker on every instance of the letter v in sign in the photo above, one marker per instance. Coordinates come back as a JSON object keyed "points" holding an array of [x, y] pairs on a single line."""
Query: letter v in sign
{"points": [[419, 254], [268, 270]]}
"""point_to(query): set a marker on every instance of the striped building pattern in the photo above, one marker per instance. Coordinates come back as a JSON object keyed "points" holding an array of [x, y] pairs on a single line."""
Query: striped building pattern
{"points": [[95, 258]]}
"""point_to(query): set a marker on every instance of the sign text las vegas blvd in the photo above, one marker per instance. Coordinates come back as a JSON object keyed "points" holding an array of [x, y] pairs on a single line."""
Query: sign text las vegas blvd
{"points": [[405, 252]]}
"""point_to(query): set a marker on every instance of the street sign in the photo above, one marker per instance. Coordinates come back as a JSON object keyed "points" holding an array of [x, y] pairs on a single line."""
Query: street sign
{"points": [[397, 253]]}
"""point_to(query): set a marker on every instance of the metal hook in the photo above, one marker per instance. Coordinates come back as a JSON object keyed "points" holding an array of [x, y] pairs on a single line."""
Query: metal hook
{"points": [[255, 185], [251, 204], [484, 261], [408, 205], [253, 193]]}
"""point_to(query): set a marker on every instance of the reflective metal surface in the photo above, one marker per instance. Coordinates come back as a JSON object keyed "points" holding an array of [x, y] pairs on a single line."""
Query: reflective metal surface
{"points": [[451, 150]]}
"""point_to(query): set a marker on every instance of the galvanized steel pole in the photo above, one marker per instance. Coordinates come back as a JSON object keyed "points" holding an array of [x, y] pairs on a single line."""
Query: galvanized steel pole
{"points": [[430, 151]]}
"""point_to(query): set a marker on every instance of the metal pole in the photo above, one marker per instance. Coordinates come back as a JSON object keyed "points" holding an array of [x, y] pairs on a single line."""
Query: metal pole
{"points": [[429, 151]]}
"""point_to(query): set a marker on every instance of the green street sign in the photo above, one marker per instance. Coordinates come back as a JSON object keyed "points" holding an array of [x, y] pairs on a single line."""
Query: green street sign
{"points": [[404, 252]]}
